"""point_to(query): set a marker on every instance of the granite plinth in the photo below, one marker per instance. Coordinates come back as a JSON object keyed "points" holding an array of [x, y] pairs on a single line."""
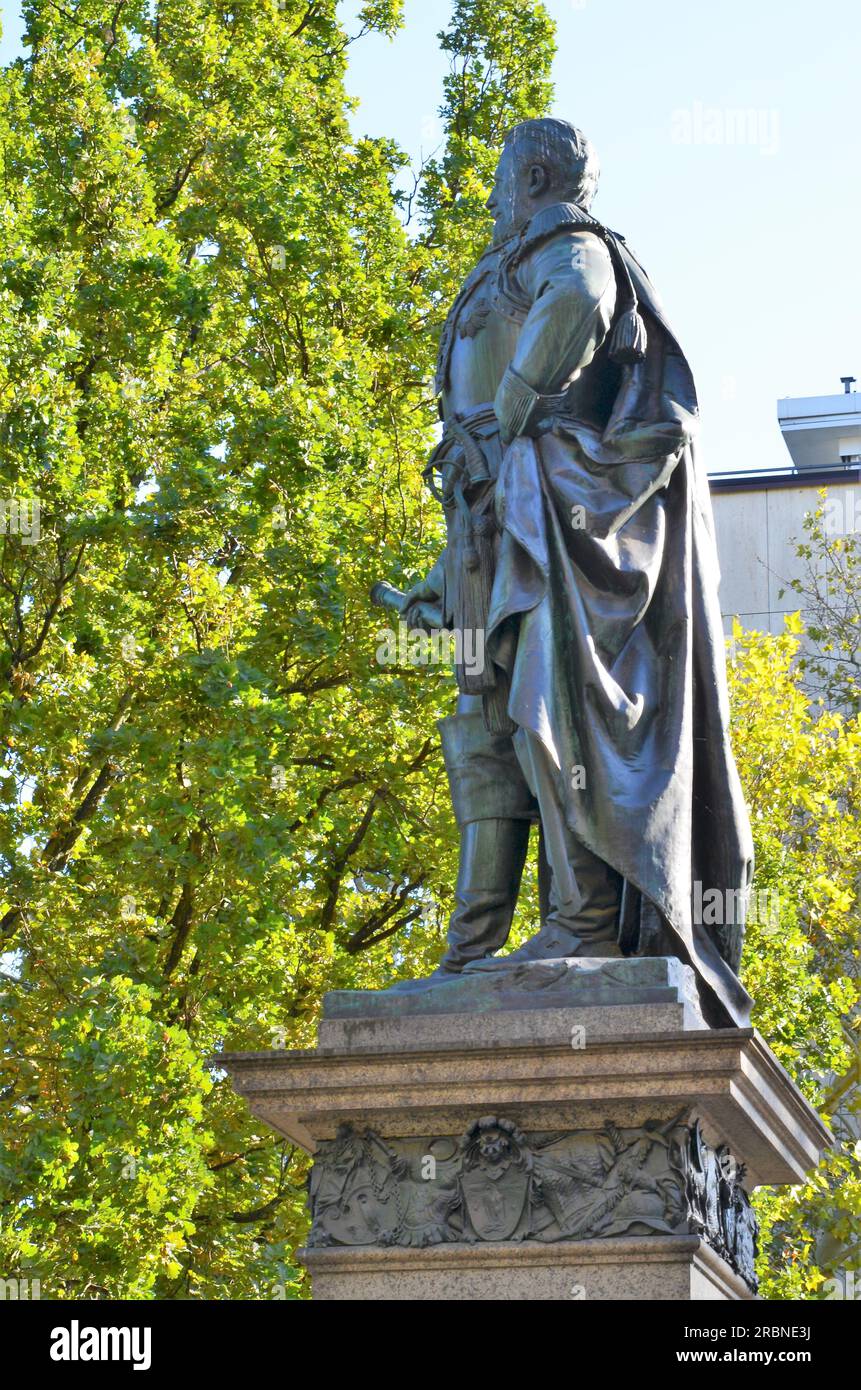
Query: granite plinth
{"points": [[507, 1133], [643, 1269]]}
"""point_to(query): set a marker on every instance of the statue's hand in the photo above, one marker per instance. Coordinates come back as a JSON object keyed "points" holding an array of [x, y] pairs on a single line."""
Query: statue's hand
{"points": [[423, 605]]}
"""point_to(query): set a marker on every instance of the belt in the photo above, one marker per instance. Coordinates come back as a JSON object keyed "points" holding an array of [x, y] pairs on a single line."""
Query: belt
{"points": [[462, 465]]}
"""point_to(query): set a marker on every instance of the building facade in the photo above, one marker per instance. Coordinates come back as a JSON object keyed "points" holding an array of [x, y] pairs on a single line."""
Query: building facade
{"points": [[760, 514]]}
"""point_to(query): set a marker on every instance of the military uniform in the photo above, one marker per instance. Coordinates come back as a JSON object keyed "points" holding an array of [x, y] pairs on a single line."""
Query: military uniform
{"points": [[579, 542]]}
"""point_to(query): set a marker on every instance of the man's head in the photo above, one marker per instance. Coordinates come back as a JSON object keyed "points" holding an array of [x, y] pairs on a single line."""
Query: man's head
{"points": [[542, 162]]}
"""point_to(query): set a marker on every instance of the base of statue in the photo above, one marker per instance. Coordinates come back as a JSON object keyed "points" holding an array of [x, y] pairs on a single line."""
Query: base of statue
{"points": [[671, 1269], [557, 1129]]}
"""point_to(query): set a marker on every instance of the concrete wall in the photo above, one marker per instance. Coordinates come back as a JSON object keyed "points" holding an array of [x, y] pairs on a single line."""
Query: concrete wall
{"points": [[755, 528]]}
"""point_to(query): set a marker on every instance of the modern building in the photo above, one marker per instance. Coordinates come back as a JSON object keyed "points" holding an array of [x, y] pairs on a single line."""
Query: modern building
{"points": [[759, 514]]}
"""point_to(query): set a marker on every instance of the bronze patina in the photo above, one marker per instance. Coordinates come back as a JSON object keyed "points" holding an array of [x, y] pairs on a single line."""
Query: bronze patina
{"points": [[580, 545]]}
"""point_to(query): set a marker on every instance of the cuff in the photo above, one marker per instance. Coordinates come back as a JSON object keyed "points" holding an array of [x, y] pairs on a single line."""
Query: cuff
{"points": [[520, 410], [515, 404]]}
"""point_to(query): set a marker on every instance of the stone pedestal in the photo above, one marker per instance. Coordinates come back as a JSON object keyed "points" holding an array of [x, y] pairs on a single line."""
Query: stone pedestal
{"points": [[668, 1269], [563, 1129]]}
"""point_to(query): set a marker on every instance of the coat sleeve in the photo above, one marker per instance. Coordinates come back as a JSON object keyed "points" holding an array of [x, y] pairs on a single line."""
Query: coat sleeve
{"points": [[569, 283]]}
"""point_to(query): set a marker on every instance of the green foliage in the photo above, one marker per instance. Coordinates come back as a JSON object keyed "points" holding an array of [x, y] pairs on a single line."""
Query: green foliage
{"points": [[801, 769], [216, 345], [500, 53], [829, 588]]}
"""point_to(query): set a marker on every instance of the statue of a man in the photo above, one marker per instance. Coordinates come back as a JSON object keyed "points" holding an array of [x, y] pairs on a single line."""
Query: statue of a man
{"points": [[580, 547]]}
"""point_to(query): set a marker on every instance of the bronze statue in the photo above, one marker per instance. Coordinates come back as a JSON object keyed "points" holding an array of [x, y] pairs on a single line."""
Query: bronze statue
{"points": [[579, 542]]}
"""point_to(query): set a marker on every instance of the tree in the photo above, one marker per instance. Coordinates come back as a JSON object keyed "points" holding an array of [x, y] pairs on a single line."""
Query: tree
{"points": [[215, 356], [800, 765], [214, 386], [830, 591]]}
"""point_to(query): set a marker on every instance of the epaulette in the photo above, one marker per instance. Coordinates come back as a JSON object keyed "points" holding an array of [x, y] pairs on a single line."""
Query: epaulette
{"points": [[553, 219], [628, 337]]}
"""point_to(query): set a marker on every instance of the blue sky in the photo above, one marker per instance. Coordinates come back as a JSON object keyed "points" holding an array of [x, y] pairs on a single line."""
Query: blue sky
{"points": [[728, 137]]}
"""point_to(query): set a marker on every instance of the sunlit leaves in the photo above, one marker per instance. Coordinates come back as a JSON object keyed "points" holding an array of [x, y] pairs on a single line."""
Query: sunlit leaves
{"points": [[801, 768], [216, 346]]}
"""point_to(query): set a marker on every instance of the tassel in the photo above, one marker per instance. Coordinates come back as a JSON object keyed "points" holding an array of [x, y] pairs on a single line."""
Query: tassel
{"points": [[629, 338], [494, 707], [473, 607]]}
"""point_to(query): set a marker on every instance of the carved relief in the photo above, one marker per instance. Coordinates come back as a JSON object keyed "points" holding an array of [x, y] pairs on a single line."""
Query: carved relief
{"points": [[495, 1184], [497, 1181], [719, 1207]]}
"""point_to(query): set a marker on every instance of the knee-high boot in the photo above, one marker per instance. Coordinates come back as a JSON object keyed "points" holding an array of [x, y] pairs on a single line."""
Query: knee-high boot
{"points": [[492, 856]]}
